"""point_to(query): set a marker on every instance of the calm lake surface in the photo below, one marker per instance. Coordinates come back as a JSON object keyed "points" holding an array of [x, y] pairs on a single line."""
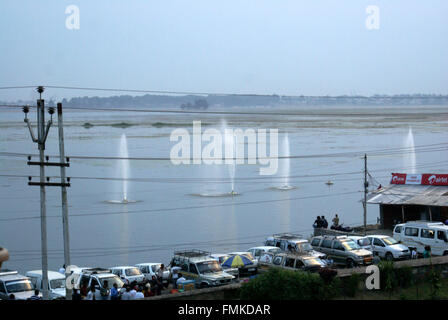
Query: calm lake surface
{"points": [[169, 213]]}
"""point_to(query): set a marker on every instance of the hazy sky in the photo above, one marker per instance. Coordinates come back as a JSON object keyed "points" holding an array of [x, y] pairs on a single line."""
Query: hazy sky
{"points": [[313, 47]]}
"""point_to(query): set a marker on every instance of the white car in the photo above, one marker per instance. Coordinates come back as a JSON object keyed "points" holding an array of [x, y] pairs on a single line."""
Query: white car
{"points": [[257, 252], [56, 282], [149, 269], [388, 248], [363, 242], [129, 274], [95, 277], [11, 282]]}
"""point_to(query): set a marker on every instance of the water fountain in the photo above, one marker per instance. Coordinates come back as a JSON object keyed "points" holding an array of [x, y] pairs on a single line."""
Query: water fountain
{"points": [[286, 165], [230, 152], [125, 169], [410, 157]]}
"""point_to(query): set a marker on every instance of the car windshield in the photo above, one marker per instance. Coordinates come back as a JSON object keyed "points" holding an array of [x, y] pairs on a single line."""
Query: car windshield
{"points": [[304, 246], [313, 262], [111, 280], [133, 272], [350, 245], [19, 286], [208, 266], [274, 250], [57, 283], [390, 241]]}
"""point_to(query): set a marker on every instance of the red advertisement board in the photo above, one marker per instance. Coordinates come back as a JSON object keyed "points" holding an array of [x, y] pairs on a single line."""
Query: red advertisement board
{"points": [[428, 179]]}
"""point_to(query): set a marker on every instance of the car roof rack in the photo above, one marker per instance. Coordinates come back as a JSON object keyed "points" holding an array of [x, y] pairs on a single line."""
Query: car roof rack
{"points": [[288, 236], [7, 272], [192, 253], [96, 270]]}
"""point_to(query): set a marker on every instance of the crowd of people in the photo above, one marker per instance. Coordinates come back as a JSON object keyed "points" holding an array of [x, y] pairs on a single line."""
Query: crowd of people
{"points": [[132, 291]]}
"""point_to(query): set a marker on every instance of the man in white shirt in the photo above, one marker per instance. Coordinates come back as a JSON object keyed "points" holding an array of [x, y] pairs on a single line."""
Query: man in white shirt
{"points": [[127, 294], [181, 279], [133, 292], [175, 276], [139, 294]]}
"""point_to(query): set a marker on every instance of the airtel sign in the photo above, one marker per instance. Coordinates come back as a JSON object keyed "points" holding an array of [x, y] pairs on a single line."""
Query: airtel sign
{"points": [[428, 179]]}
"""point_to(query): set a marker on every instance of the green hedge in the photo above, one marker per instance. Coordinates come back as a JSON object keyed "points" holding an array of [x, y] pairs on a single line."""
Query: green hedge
{"points": [[278, 284]]}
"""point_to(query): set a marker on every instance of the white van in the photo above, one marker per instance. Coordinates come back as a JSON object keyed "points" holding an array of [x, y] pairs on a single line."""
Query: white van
{"points": [[56, 282], [418, 234]]}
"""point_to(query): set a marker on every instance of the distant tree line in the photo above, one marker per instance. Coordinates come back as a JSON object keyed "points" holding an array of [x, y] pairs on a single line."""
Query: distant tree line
{"points": [[204, 101]]}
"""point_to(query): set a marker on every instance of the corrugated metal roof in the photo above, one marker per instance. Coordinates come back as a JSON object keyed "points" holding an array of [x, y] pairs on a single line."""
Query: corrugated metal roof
{"points": [[405, 194]]}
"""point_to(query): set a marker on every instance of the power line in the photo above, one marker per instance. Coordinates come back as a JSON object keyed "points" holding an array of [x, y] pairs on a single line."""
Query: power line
{"points": [[158, 211], [173, 92], [377, 152]]}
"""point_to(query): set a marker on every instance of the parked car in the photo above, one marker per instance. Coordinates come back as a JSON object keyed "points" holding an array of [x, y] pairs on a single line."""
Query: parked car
{"points": [[221, 257], [342, 250], [11, 282], [199, 266], [418, 234], [150, 269], [294, 242], [388, 248], [363, 242], [129, 274], [56, 282], [250, 269], [291, 261], [95, 277], [257, 252]]}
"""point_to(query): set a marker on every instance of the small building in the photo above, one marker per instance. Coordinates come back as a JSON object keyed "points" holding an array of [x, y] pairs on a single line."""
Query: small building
{"points": [[411, 197]]}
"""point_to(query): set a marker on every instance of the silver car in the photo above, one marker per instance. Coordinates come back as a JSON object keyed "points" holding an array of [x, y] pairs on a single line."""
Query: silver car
{"points": [[342, 250]]}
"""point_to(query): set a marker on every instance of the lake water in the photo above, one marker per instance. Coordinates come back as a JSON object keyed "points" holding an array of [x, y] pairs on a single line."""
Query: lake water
{"points": [[169, 214]]}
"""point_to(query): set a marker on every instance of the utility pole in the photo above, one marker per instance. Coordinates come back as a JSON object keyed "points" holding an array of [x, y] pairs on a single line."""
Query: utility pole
{"points": [[42, 134], [366, 186], [65, 229]]}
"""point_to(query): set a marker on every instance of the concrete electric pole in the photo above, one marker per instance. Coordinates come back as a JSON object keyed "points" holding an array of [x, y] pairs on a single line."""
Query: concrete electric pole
{"points": [[42, 134]]}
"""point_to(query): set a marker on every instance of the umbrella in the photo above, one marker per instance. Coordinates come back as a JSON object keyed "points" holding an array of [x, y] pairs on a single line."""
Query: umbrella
{"points": [[237, 261]]}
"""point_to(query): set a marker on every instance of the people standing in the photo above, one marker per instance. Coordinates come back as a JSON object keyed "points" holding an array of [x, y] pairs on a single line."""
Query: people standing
{"points": [[35, 296], [139, 294], [92, 294], [414, 254], [317, 223], [175, 276], [62, 270], [114, 294], [84, 290], [127, 294], [181, 279], [75, 295], [324, 222], [156, 286], [133, 292], [427, 252], [336, 220], [104, 291]]}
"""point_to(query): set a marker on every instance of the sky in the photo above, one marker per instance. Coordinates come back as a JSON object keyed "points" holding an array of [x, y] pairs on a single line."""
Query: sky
{"points": [[291, 47]]}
